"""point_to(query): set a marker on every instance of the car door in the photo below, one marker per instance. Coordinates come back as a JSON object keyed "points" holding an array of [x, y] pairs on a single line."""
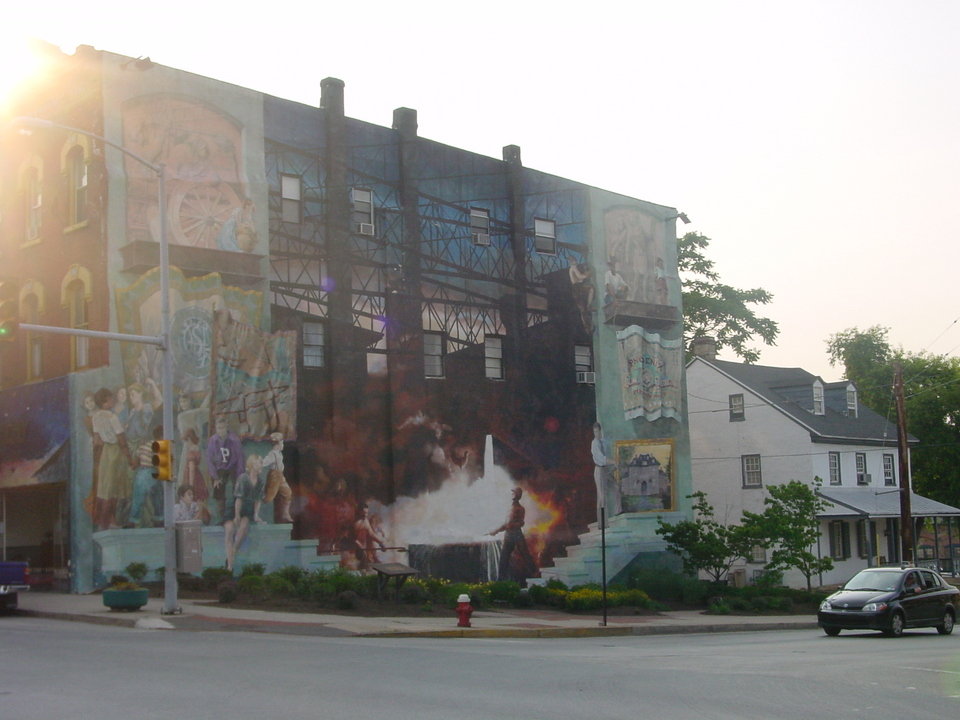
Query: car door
{"points": [[933, 596], [912, 598]]}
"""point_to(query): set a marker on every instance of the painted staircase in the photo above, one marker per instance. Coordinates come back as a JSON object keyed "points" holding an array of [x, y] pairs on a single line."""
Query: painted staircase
{"points": [[627, 536]]}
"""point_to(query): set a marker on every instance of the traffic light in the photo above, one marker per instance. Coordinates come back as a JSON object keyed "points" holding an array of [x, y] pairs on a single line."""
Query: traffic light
{"points": [[162, 460], [9, 311]]}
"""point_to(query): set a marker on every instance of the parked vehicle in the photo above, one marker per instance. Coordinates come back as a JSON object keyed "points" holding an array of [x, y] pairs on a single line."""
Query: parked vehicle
{"points": [[13, 580], [890, 600]]}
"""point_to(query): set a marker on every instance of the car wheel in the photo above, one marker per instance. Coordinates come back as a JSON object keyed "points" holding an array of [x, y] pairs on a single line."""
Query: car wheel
{"points": [[896, 625], [946, 627], [832, 631]]}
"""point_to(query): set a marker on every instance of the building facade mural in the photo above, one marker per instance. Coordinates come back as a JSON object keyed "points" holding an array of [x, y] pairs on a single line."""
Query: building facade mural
{"points": [[384, 348]]}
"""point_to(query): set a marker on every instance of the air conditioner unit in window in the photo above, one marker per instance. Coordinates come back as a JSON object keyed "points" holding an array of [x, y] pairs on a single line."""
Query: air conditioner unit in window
{"points": [[590, 378], [481, 238], [864, 478], [365, 228]]}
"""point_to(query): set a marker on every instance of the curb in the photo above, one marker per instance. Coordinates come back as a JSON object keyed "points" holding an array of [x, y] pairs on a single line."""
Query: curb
{"points": [[149, 622]]}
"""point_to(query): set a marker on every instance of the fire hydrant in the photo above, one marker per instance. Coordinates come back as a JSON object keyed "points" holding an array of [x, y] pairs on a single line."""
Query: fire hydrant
{"points": [[464, 610]]}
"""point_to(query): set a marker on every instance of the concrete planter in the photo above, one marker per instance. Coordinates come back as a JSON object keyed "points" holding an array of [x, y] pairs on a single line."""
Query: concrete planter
{"points": [[125, 599]]}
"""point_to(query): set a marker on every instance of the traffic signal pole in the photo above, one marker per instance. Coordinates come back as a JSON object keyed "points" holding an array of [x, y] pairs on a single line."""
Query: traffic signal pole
{"points": [[170, 604]]}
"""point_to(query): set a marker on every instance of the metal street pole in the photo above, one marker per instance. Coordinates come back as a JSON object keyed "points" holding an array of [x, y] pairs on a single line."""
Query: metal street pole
{"points": [[170, 604], [906, 514]]}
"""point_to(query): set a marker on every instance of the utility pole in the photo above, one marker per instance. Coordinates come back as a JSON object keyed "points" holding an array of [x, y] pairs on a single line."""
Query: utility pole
{"points": [[906, 516]]}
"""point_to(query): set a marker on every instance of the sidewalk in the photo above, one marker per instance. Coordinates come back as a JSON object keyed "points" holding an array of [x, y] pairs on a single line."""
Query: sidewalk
{"points": [[512, 623]]}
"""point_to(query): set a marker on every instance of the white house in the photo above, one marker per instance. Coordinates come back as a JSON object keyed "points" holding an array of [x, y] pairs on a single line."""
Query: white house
{"points": [[753, 426]]}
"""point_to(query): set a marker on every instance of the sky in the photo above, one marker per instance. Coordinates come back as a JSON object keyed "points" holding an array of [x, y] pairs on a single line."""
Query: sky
{"points": [[817, 143]]}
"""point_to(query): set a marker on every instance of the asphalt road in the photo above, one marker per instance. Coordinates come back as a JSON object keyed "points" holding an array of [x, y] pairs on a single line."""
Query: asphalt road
{"points": [[53, 669]]}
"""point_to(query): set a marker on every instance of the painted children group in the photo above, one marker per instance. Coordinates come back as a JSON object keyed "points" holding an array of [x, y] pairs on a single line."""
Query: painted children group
{"points": [[220, 484]]}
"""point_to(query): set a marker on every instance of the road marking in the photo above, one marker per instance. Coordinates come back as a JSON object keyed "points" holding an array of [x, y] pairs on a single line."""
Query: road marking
{"points": [[933, 670]]}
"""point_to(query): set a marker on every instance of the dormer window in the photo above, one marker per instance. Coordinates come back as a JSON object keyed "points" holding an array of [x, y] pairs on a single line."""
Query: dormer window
{"points": [[818, 398], [851, 400]]}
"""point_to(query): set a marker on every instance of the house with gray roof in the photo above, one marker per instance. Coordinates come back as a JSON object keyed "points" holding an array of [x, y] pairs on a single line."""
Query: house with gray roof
{"points": [[752, 426]]}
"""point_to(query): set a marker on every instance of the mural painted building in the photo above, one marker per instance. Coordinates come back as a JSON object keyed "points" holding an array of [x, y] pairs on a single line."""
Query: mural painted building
{"points": [[377, 339]]}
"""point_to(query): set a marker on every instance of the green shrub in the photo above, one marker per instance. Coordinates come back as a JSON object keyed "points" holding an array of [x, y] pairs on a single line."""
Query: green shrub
{"points": [[227, 591], [504, 591], [737, 604], [347, 600], [523, 599], [213, 576], [718, 608], [292, 573], [413, 593], [583, 599], [137, 571], [631, 598], [253, 586], [254, 569], [279, 586]]}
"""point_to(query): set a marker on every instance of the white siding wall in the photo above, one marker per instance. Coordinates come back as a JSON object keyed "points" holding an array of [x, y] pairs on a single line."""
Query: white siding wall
{"points": [[786, 453]]}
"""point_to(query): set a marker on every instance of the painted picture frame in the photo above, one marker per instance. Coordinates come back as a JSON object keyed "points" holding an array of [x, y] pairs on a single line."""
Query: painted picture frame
{"points": [[645, 476]]}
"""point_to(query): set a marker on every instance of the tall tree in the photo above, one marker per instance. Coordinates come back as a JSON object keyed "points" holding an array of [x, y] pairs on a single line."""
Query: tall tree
{"points": [[790, 526], [717, 310], [932, 400]]}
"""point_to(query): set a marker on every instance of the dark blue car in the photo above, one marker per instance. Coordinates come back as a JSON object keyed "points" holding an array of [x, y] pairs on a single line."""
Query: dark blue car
{"points": [[890, 600]]}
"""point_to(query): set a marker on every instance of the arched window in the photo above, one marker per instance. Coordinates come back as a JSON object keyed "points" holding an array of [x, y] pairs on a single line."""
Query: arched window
{"points": [[75, 294], [80, 345], [76, 167]]}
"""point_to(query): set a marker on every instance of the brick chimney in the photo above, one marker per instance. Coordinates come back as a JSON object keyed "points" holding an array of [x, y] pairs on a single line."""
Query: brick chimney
{"points": [[704, 347]]}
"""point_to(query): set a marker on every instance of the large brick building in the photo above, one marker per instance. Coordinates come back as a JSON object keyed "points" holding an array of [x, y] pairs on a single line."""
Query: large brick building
{"points": [[422, 327]]}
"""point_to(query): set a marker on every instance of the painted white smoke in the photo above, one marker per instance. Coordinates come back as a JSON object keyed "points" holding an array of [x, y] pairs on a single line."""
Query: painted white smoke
{"points": [[461, 511]]}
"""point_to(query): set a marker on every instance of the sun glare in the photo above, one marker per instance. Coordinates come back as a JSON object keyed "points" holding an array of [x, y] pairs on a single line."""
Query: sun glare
{"points": [[20, 61]]}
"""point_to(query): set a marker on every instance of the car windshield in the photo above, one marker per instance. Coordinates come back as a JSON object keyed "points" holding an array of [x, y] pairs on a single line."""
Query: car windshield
{"points": [[874, 580]]}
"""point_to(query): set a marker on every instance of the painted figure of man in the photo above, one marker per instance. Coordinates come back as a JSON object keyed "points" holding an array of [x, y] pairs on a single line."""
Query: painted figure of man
{"points": [[615, 286], [603, 475], [277, 486], [224, 463], [514, 541]]}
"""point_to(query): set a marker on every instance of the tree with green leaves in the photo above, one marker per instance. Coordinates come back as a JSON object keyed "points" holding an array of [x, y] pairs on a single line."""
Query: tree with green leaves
{"points": [[714, 309], [789, 524], [931, 386], [704, 544]]}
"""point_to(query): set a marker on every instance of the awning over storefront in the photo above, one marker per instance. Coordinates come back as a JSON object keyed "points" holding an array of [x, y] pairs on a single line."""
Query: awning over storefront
{"points": [[879, 503]]}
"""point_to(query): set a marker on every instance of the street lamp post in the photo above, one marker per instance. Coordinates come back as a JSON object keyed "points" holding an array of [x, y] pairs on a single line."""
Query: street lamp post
{"points": [[170, 604]]}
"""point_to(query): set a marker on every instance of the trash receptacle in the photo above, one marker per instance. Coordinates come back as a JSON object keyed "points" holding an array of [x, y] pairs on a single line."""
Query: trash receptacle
{"points": [[190, 546]]}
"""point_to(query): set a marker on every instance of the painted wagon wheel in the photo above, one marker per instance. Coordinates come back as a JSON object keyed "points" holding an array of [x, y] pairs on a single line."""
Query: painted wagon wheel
{"points": [[199, 211]]}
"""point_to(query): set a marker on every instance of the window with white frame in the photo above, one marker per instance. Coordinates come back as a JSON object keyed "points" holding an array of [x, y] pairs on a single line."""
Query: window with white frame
{"points": [[77, 182], [493, 357], [434, 349], [862, 477], [736, 407], [313, 345], [889, 470], [758, 554], [291, 200], [750, 467], [480, 226], [544, 236], [834, 461], [362, 217], [818, 398], [839, 540]]}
